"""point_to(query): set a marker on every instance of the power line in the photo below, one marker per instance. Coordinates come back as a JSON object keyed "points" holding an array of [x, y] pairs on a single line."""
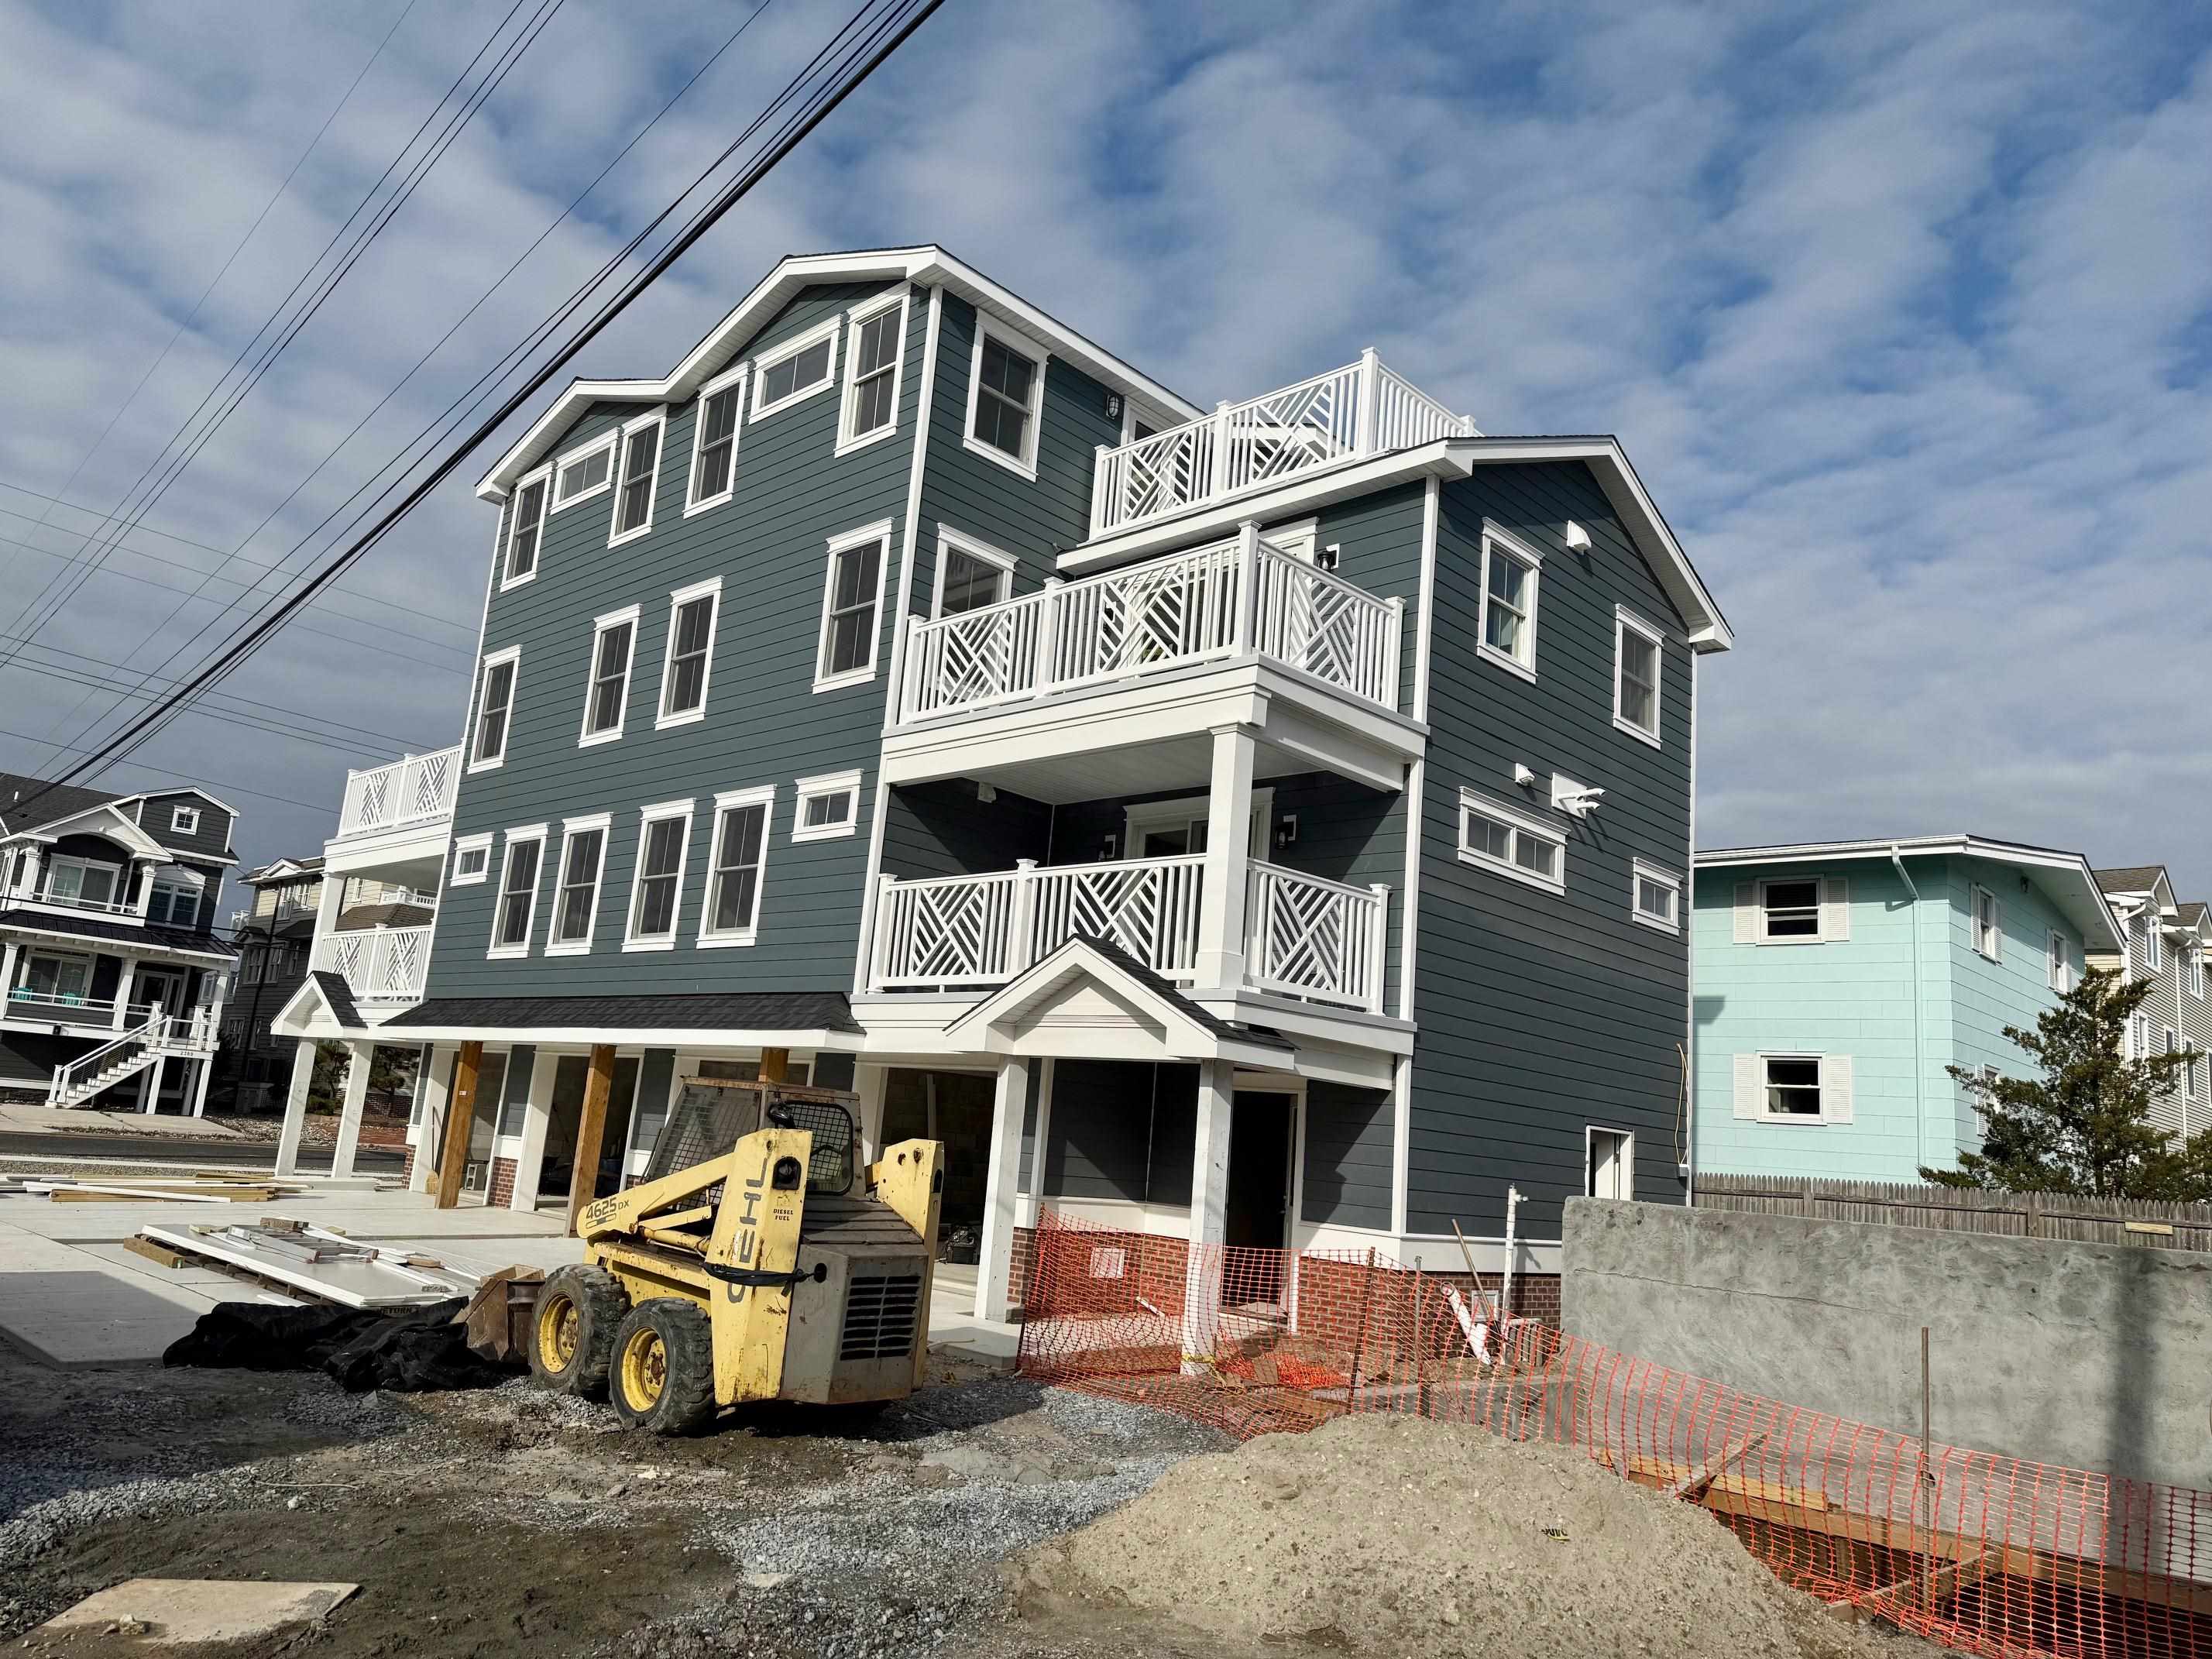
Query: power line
{"points": [[162, 771]]}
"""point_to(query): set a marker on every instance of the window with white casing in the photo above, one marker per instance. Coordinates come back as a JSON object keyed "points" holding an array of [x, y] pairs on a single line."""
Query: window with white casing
{"points": [[637, 476], [1609, 1164], [472, 860], [183, 820], [606, 691], [1988, 925], [851, 603], [2153, 944], [829, 806], [516, 911], [84, 882], [1511, 842], [174, 901], [1789, 911], [656, 900], [971, 574], [689, 656], [715, 442], [1636, 669], [876, 334], [796, 369], [2196, 971], [1657, 900], [740, 863], [576, 886], [1005, 398], [2058, 964], [2139, 1037], [495, 708], [584, 473], [525, 526], [1793, 1088], [1506, 633]]}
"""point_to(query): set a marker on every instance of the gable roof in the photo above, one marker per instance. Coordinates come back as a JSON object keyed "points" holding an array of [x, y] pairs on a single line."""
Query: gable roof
{"points": [[53, 801], [926, 266], [284, 870], [2131, 879], [2192, 913]]}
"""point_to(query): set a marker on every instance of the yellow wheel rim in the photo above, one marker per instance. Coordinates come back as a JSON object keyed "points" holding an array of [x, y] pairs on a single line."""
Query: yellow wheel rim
{"points": [[557, 1332], [644, 1369]]}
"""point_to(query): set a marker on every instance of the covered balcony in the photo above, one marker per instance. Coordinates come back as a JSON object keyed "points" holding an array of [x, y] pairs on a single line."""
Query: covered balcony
{"points": [[383, 967], [413, 794], [1348, 414]]}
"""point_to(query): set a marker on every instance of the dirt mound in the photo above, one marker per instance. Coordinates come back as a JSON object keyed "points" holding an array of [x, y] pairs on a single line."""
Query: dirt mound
{"points": [[1398, 1534]]}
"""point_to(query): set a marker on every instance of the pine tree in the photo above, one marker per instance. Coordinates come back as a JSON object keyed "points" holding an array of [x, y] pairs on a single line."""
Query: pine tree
{"points": [[2084, 1126]]}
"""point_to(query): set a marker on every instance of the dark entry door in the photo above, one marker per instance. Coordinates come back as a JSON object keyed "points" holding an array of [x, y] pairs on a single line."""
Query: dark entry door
{"points": [[1258, 1205]]}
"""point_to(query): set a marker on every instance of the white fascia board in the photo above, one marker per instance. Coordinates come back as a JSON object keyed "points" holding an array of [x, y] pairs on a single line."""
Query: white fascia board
{"points": [[927, 266], [711, 1041]]}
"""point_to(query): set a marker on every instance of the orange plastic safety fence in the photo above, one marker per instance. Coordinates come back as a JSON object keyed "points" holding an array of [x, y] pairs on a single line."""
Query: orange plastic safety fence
{"points": [[1984, 1553]]}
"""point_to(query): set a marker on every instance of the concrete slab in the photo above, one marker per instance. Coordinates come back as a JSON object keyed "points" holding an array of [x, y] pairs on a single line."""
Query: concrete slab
{"points": [[163, 1613], [19, 1119]]}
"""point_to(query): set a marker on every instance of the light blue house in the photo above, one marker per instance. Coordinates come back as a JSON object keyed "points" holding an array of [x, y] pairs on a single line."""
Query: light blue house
{"points": [[1834, 983]]}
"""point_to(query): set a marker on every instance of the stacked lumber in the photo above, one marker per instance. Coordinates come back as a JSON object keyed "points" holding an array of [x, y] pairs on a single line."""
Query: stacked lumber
{"points": [[125, 1189]]}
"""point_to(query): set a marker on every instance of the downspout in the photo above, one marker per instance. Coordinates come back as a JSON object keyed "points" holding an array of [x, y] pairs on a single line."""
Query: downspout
{"points": [[1919, 994]]}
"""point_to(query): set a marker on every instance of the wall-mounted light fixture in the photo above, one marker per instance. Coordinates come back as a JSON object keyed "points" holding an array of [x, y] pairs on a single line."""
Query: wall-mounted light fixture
{"points": [[987, 793], [1113, 406], [1286, 829]]}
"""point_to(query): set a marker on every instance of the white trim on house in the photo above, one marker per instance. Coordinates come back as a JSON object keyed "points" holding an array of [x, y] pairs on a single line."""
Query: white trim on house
{"points": [[530, 835], [608, 441], [709, 938], [951, 541], [732, 383], [1191, 811], [820, 787], [183, 820], [867, 311], [510, 658], [1627, 622], [1624, 1161], [464, 845], [1641, 870], [1522, 663], [601, 627], [601, 823], [508, 581], [989, 328], [1763, 917], [880, 533], [664, 717], [1753, 1085], [1518, 824], [769, 360], [647, 817]]}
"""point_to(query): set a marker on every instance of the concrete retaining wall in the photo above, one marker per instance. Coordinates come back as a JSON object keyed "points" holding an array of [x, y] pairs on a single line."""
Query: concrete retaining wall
{"points": [[2093, 1356]]}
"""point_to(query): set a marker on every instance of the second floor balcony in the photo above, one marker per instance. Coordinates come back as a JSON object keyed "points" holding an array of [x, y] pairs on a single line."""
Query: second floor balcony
{"points": [[381, 966], [415, 792]]}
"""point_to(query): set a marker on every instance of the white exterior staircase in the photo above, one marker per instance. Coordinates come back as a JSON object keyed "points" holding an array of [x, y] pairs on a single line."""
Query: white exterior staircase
{"points": [[117, 1061]]}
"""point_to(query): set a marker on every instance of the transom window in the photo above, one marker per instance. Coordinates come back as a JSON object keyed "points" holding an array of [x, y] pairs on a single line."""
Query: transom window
{"points": [[1789, 909], [497, 707], [1793, 1086], [828, 807], [1657, 901], [714, 445], [472, 859], [691, 614], [1501, 839], [1636, 676], [575, 903], [1988, 931], [518, 894], [733, 888], [1510, 569], [871, 365], [526, 523], [578, 477], [1007, 387], [607, 696], [853, 596], [640, 468], [802, 370], [656, 897], [970, 575]]}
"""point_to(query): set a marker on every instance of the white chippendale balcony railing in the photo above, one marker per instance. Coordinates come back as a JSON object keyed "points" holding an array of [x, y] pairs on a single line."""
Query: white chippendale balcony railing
{"points": [[1363, 409], [1305, 936], [381, 964], [418, 789], [1232, 599]]}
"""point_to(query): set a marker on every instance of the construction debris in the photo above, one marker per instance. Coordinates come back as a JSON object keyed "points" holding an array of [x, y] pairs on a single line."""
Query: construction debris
{"points": [[67, 1190], [319, 1261], [408, 1349], [174, 1612]]}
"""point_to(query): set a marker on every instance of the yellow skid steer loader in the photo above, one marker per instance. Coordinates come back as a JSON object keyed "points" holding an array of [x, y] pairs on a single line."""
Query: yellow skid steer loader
{"points": [[756, 1274]]}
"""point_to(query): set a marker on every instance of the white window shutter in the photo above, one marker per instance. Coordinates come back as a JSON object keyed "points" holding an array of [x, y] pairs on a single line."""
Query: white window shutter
{"points": [[1835, 909], [1747, 1085], [1746, 912], [1835, 1088]]}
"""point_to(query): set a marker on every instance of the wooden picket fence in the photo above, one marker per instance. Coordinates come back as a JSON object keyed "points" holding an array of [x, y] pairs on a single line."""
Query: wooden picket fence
{"points": [[2143, 1223]]}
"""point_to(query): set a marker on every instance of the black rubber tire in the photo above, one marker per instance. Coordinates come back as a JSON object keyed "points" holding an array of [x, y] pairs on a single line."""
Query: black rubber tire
{"points": [[600, 1304], [685, 1403]]}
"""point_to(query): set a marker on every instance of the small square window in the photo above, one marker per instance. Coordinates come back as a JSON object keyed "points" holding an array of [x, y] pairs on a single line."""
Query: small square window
{"points": [[1789, 909], [1793, 1086], [472, 860], [828, 807], [1657, 901], [971, 575], [1507, 630], [184, 820]]}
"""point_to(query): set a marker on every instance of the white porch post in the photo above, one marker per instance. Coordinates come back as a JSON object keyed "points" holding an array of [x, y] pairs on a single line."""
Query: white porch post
{"points": [[537, 1118], [1228, 841], [358, 1058], [870, 1083], [1209, 1196], [123, 986], [430, 1113], [10, 953], [204, 1069], [995, 1256], [295, 1109], [150, 1085]]}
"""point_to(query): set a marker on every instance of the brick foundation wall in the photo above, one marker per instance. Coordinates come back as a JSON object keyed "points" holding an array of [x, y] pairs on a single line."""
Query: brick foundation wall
{"points": [[407, 1168], [502, 1182]]}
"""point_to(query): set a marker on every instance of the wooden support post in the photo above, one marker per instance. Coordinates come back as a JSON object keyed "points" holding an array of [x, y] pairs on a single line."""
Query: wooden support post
{"points": [[775, 1063], [592, 1130], [461, 1108]]}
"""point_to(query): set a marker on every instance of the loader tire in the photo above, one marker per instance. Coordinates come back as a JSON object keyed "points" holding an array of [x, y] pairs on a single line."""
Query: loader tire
{"points": [[572, 1330], [663, 1376]]}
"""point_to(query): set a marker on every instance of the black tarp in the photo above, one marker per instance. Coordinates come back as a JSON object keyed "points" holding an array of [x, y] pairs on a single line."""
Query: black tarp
{"points": [[408, 1349]]}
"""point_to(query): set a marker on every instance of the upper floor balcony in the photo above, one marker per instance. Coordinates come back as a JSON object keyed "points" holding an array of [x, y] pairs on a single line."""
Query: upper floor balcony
{"points": [[410, 793], [1363, 409], [383, 967]]}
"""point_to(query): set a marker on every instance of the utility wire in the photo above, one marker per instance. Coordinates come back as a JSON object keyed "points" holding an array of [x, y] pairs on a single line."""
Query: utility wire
{"points": [[163, 771]]}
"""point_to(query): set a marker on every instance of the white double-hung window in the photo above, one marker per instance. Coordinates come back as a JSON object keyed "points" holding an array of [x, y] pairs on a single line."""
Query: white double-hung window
{"points": [[872, 367], [1507, 631], [2058, 964], [1636, 675], [1793, 1088], [971, 574], [1988, 925], [526, 523], [576, 894], [715, 442], [1511, 842], [852, 602], [1005, 398], [683, 671], [656, 900], [638, 475], [495, 708], [606, 691], [516, 910], [740, 861]]}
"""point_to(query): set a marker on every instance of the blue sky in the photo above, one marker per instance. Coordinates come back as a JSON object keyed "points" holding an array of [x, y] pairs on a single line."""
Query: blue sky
{"points": [[1903, 311]]}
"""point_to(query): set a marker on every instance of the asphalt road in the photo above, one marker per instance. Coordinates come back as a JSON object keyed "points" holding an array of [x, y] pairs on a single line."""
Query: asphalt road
{"points": [[176, 1149]]}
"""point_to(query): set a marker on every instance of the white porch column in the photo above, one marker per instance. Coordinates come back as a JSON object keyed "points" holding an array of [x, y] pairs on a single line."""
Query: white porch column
{"points": [[537, 1118], [430, 1113], [870, 1083], [150, 1085], [1209, 1197], [1228, 843], [358, 1058], [10, 953], [995, 1256], [204, 1069], [295, 1109], [124, 985]]}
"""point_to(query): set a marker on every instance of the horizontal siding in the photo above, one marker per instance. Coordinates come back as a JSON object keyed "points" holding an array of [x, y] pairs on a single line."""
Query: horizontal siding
{"points": [[1348, 1156], [943, 828]]}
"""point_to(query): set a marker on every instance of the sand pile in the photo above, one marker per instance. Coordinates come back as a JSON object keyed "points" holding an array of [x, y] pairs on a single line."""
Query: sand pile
{"points": [[1398, 1536]]}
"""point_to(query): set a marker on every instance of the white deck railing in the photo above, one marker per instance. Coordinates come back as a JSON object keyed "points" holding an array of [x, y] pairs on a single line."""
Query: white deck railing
{"points": [[1363, 409], [414, 790], [1305, 936], [1229, 598], [381, 964]]}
